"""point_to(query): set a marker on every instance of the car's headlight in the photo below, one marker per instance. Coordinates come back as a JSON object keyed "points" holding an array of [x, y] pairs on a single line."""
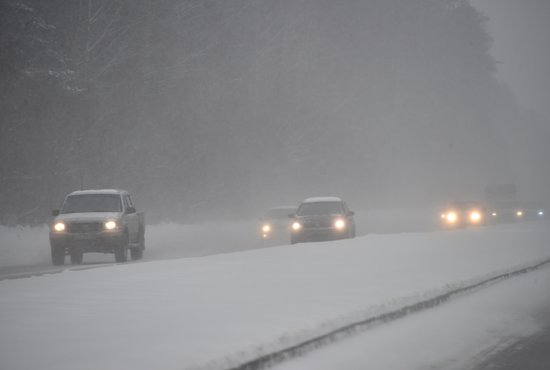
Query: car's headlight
{"points": [[494, 214], [111, 225], [266, 228], [296, 226], [475, 216], [540, 213], [59, 226], [339, 224], [443, 216], [452, 217], [519, 213]]}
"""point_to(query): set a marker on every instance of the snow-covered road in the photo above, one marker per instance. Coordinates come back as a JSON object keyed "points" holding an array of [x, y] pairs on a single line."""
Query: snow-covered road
{"points": [[218, 311]]}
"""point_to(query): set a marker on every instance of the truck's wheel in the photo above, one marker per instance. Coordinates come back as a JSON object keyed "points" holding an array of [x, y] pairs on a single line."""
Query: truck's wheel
{"points": [[136, 253], [76, 255], [58, 256], [121, 250]]}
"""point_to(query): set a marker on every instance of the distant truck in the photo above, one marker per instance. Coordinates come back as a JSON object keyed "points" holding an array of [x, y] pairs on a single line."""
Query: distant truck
{"points": [[496, 193], [101, 221]]}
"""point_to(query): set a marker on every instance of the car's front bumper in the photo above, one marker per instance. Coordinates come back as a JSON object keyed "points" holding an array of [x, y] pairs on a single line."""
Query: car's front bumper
{"points": [[318, 234]]}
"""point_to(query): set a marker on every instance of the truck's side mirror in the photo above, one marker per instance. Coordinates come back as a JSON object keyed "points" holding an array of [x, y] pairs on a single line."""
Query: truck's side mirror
{"points": [[55, 212], [131, 210]]}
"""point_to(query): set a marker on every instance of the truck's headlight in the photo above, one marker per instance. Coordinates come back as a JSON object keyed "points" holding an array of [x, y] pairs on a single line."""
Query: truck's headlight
{"points": [[266, 228], [110, 225], [296, 226], [59, 226], [339, 224]]}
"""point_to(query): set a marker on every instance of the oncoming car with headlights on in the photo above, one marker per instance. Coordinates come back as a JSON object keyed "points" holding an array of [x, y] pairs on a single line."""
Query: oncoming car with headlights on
{"points": [[275, 224], [514, 211], [463, 213], [510, 211], [320, 219], [101, 221]]}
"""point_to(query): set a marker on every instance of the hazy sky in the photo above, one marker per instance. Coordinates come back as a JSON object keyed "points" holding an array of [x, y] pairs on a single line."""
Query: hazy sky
{"points": [[521, 33]]}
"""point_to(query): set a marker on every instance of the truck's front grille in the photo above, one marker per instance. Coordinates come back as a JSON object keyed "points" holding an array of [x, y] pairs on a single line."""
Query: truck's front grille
{"points": [[85, 227]]}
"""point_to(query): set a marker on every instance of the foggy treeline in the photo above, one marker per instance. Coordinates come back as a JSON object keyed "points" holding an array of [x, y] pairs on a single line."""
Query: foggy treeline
{"points": [[209, 109]]}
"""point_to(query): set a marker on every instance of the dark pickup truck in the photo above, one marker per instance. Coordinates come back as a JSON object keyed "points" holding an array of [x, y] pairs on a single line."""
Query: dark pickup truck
{"points": [[100, 221]]}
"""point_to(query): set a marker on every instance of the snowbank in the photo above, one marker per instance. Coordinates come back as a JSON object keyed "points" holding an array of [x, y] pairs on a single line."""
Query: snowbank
{"points": [[216, 311]]}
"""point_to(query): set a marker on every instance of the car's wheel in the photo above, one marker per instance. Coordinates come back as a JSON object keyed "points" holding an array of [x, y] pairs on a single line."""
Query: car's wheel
{"points": [[76, 255], [121, 250], [58, 255]]}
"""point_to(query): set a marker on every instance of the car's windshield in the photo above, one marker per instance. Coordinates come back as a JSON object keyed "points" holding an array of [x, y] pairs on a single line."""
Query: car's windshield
{"points": [[320, 208], [279, 213], [92, 203], [511, 204]]}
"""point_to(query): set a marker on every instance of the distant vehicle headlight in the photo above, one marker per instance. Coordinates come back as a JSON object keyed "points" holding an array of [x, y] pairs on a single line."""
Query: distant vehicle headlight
{"points": [[296, 226], [60, 226], [494, 214], [452, 217], [475, 216], [266, 228], [339, 224], [540, 213], [519, 213], [111, 225]]}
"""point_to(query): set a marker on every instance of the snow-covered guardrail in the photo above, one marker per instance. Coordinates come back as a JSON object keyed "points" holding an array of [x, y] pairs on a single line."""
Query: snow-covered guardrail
{"points": [[438, 298]]}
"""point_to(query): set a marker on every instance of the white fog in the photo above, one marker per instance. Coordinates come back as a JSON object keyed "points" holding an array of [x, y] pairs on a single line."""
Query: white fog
{"points": [[144, 146]]}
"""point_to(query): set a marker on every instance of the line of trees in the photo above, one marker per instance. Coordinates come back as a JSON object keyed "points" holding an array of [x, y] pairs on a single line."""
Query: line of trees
{"points": [[211, 108]]}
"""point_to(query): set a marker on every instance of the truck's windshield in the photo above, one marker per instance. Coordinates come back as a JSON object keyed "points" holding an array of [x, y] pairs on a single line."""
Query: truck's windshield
{"points": [[92, 203]]}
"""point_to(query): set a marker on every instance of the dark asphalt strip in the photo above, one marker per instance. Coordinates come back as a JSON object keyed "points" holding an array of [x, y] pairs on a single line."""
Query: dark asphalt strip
{"points": [[302, 348], [18, 272], [531, 353]]}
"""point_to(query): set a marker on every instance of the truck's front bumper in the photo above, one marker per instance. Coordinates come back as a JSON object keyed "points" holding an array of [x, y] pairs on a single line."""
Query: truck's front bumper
{"points": [[102, 242]]}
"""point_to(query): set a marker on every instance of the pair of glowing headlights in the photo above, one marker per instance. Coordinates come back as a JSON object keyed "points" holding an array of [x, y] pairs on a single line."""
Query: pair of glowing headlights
{"points": [[518, 213], [108, 225], [452, 217], [338, 224]]}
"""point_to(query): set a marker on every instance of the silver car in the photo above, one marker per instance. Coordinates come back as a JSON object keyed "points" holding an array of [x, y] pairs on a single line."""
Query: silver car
{"points": [[322, 218]]}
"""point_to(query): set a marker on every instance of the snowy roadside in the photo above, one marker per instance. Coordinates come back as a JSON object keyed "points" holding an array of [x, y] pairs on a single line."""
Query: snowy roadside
{"points": [[217, 311], [24, 246], [29, 246]]}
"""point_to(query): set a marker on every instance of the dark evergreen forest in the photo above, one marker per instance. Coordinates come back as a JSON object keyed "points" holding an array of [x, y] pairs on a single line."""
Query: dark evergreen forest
{"points": [[216, 109]]}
